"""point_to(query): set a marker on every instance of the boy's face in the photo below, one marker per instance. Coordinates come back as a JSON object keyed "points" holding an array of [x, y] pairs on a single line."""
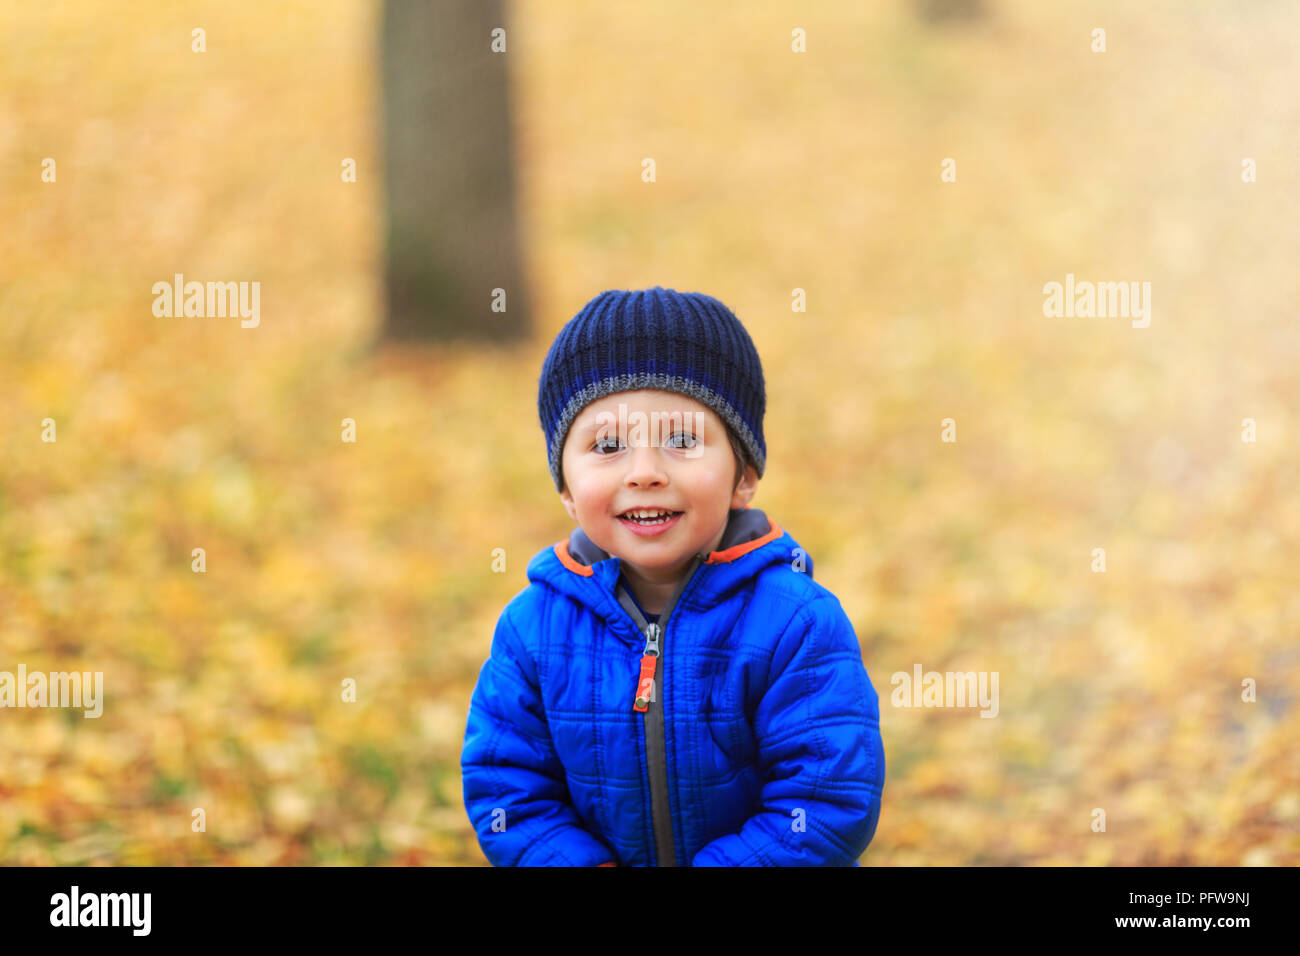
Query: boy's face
{"points": [[683, 462]]}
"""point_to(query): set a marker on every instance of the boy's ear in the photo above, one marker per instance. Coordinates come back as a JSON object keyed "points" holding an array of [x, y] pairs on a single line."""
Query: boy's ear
{"points": [[745, 490], [568, 503]]}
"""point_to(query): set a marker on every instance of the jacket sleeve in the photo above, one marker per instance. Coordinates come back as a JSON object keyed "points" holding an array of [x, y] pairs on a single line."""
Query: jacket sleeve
{"points": [[512, 779], [820, 751]]}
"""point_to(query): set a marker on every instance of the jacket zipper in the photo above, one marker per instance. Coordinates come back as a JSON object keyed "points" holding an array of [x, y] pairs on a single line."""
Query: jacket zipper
{"points": [[652, 676]]}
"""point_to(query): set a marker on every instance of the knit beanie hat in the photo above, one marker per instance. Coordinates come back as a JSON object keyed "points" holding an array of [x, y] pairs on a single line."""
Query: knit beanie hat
{"points": [[684, 342]]}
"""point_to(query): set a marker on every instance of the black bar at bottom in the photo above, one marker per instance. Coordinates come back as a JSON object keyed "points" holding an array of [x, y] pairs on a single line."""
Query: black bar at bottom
{"points": [[332, 905]]}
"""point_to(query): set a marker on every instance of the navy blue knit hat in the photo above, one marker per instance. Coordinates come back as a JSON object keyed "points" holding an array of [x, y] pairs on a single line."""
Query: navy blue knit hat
{"points": [[658, 338]]}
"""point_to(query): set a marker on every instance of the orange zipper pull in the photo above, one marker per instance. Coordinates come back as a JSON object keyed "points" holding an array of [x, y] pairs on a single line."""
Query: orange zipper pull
{"points": [[645, 684]]}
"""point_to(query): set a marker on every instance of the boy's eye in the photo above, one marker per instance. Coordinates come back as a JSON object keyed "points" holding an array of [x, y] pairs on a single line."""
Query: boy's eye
{"points": [[678, 440]]}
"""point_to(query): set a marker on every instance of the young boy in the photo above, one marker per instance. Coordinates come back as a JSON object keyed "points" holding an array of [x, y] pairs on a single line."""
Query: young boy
{"points": [[672, 688]]}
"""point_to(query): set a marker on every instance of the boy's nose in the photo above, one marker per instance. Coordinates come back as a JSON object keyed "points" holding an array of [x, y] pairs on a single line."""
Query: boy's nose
{"points": [[645, 467]]}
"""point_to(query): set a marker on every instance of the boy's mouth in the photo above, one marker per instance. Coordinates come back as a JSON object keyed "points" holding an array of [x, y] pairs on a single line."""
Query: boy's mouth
{"points": [[648, 517]]}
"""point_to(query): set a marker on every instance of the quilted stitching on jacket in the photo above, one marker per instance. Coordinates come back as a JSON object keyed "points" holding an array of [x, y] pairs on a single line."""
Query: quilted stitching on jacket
{"points": [[771, 723]]}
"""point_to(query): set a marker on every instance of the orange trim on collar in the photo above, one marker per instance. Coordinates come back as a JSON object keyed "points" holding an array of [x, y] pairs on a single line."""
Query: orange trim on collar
{"points": [[562, 552], [740, 550]]}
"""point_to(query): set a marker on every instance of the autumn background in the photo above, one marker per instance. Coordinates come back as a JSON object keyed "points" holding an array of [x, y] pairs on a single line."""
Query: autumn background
{"points": [[775, 171]]}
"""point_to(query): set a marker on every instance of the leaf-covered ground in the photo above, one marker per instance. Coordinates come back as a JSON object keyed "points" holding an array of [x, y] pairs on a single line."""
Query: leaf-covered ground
{"points": [[371, 561]]}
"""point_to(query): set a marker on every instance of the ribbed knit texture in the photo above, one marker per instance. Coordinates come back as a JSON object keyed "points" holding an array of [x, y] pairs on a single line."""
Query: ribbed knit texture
{"points": [[685, 342]]}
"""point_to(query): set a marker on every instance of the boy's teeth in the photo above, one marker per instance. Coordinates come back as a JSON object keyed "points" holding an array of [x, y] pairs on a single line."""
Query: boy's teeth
{"points": [[651, 517]]}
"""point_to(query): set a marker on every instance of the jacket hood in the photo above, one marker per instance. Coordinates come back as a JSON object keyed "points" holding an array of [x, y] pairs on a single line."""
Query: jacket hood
{"points": [[750, 543]]}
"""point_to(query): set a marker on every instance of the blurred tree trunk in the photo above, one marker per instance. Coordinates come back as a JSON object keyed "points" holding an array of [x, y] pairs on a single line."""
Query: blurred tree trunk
{"points": [[451, 228], [942, 11]]}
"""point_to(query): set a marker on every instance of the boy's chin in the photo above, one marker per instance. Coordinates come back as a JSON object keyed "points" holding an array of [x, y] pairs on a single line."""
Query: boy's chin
{"points": [[676, 563], [658, 557]]}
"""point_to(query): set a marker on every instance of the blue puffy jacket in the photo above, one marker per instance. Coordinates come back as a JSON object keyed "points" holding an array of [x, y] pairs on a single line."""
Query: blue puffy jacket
{"points": [[759, 745]]}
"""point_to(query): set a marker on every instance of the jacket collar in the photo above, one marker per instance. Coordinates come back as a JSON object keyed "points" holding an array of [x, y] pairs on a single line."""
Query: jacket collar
{"points": [[751, 542]]}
